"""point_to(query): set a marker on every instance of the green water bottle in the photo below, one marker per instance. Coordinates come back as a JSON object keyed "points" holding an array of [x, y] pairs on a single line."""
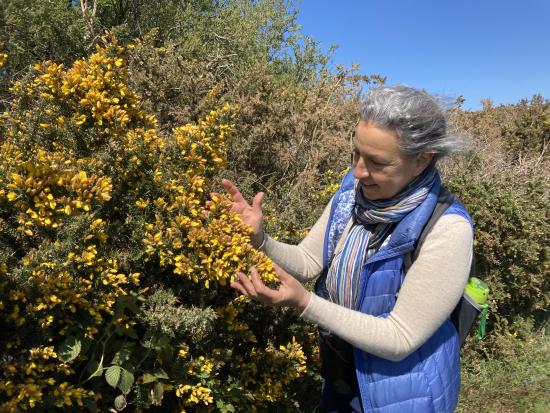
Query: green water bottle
{"points": [[478, 291]]}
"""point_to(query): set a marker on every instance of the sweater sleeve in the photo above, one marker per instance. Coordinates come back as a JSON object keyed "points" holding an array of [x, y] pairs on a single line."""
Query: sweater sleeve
{"points": [[433, 285], [305, 260]]}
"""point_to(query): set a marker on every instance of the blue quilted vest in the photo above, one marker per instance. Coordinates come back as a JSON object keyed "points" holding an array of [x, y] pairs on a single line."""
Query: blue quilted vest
{"points": [[428, 380]]}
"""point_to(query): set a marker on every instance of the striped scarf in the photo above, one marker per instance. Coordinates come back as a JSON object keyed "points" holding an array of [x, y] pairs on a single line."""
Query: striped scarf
{"points": [[373, 222]]}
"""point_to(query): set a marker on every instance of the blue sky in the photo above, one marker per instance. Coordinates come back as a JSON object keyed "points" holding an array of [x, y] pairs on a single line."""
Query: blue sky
{"points": [[497, 49]]}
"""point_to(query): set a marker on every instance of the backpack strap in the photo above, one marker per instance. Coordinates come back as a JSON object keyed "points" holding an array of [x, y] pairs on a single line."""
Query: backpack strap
{"points": [[444, 201], [464, 314]]}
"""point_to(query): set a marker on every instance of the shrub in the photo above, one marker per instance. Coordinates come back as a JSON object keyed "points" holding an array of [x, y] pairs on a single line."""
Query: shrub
{"points": [[506, 188], [530, 133], [113, 275], [511, 232]]}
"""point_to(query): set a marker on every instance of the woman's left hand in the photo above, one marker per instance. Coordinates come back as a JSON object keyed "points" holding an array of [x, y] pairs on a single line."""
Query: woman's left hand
{"points": [[289, 294]]}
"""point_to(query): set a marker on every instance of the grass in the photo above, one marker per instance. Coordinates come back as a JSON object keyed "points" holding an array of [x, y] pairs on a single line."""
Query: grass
{"points": [[519, 382]]}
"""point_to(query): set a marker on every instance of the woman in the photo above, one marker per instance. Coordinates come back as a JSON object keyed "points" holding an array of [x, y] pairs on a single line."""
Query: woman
{"points": [[403, 352]]}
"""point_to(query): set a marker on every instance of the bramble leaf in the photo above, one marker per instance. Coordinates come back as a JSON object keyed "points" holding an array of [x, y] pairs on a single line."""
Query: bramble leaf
{"points": [[112, 375], [70, 349], [120, 402], [126, 381]]}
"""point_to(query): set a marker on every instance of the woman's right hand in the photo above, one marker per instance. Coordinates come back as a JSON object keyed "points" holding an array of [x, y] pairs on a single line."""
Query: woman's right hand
{"points": [[250, 214]]}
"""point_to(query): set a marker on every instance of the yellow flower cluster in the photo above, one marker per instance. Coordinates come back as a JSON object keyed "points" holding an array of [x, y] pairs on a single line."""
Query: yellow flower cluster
{"points": [[333, 180], [94, 89], [100, 207], [42, 353], [203, 146], [22, 396], [66, 394], [221, 248], [47, 194], [29, 395], [264, 372], [195, 394], [279, 368], [60, 302], [60, 307], [201, 365], [38, 377], [203, 244], [231, 313]]}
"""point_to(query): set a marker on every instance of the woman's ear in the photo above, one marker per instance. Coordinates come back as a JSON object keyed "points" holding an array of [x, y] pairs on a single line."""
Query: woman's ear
{"points": [[422, 161]]}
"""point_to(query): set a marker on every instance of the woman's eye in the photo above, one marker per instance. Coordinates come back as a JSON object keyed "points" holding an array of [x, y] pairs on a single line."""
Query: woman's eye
{"points": [[378, 164]]}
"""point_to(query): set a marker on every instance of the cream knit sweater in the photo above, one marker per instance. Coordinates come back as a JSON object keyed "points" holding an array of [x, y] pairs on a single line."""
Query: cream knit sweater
{"points": [[430, 291]]}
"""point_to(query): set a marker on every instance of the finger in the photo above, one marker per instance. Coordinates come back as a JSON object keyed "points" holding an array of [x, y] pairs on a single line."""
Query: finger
{"points": [[257, 201], [247, 284], [258, 284], [238, 286], [266, 294], [233, 190]]}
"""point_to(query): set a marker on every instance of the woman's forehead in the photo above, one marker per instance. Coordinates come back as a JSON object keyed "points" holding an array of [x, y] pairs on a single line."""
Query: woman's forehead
{"points": [[373, 139]]}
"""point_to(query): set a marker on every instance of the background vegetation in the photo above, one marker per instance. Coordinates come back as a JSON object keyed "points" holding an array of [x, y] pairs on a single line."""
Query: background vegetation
{"points": [[292, 122]]}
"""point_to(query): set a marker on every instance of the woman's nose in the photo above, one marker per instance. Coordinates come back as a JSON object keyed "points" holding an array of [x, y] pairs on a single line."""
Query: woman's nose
{"points": [[360, 170]]}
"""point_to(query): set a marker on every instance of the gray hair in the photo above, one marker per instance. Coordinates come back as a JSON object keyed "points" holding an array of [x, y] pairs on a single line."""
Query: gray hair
{"points": [[417, 117]]}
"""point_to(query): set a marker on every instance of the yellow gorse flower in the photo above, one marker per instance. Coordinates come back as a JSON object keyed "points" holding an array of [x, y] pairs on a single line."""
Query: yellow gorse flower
{"points": [[3, 57]]}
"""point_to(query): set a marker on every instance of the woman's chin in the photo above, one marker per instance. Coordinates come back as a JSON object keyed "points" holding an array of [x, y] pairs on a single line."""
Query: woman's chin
{"points": [[371, 192]]}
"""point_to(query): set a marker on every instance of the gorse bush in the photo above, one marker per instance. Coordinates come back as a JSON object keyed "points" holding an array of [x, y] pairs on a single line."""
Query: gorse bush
{"points": [[505, 185], [511, 230], [530, 133], [113, 273]]}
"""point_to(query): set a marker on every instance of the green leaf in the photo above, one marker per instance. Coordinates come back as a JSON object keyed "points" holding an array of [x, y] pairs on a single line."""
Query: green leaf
{"points": [[147, 378], [225, 408], [112, 375], [152, 376], [120, 402], [126, 381], [69, 349], [157, 393]]}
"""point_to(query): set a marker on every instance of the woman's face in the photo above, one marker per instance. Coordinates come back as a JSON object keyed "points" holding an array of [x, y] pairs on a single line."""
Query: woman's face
{"points": [[380, 166]]}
